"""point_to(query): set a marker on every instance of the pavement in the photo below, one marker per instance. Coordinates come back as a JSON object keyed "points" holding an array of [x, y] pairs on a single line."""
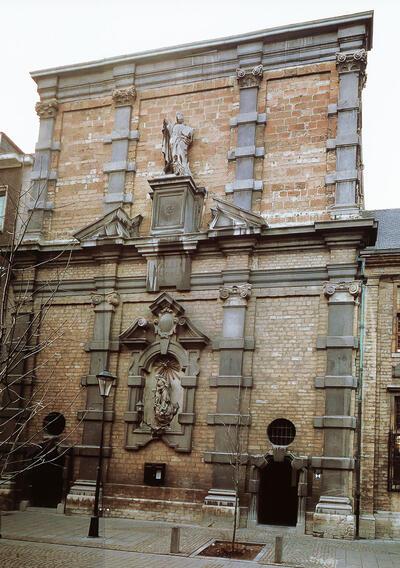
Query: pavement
{"points": [[41, 538]]}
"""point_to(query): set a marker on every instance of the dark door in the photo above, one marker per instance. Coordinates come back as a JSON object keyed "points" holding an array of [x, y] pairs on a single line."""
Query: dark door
{"points": [[277, 498], [47, 480]]}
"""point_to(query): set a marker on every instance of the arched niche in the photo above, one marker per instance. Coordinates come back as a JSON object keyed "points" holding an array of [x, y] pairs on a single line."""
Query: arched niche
{"points": [[168, 334]]}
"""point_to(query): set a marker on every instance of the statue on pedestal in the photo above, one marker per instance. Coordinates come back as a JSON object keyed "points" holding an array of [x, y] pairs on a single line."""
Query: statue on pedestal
{"points": [[176, 141]]}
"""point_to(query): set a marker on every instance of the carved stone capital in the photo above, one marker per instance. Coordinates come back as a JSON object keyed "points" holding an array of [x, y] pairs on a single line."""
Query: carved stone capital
{"points": [[351, 61], [249, 77], [47, 109], [111, 298], [330, 288], [236, 294], [124, 96]]}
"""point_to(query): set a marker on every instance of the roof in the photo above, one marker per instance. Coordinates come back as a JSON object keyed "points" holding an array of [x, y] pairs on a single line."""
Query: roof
{"points": [[388, 236], [7, 145], [271, 34]]}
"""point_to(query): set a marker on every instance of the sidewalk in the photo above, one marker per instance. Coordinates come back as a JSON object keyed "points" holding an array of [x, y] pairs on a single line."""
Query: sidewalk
{"points": [[153, 539]]}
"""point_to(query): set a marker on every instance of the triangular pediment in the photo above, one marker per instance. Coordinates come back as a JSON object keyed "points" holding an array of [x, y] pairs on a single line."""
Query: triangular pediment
{"points": [[227, 215], [114, 225], [166, 301], [168, 321]]}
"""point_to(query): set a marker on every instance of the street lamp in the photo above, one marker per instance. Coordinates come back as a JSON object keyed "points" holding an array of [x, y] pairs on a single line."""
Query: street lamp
{"points": [[105, 380]]}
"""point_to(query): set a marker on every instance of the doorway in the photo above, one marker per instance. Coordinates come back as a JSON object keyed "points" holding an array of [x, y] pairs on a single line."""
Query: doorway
{"points": [[277, 497], [46, 480]]}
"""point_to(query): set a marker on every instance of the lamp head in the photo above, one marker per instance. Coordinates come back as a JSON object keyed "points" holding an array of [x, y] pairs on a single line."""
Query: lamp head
{"points": [[105, 380]]}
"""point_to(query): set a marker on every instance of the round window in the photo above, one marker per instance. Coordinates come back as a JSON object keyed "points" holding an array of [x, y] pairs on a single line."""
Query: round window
{"points": [[54, 423], [281, 432]]}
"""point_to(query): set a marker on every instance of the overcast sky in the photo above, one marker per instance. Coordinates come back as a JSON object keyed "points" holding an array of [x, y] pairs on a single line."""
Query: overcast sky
{"points": [[36, 34]]}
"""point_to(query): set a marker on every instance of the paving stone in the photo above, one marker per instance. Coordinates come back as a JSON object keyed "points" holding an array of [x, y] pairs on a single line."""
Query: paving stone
{"points": [[55, 540]]}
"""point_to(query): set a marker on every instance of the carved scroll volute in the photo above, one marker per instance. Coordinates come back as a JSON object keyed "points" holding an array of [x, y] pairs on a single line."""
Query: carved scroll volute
{"points": [[236, 295], [248, 78], [332, 288]]}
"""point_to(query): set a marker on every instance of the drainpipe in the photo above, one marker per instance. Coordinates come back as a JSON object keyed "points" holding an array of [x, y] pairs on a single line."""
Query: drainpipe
{"points": [[359, 397]]}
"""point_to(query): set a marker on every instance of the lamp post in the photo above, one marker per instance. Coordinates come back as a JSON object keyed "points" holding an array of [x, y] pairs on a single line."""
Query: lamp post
{"points": [[105, 380]]}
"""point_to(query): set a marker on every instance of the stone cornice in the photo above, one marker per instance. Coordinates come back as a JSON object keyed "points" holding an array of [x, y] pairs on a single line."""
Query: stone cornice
{"points": [[287, 46], [293, 30], [351, 233]]}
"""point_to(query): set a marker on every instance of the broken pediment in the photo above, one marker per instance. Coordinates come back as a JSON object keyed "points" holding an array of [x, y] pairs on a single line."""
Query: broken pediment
{"points": [[114, 225], [227, 215], [168, 323]]}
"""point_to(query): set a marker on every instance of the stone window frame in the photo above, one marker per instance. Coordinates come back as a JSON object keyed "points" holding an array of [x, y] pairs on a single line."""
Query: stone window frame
{"points": [[394, 446], [397, 333], [3, 194]]}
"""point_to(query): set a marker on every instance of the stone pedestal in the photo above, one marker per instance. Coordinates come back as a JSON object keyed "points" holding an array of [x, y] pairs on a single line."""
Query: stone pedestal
{"points": [[366, 528], [7, 490], [177, 205], [80, 498], [334, 518], [219, 508]]}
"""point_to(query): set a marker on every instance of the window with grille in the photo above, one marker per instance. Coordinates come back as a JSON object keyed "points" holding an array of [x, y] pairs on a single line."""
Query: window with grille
{"points": [[3, 198], [394, 450], [281, 432]]}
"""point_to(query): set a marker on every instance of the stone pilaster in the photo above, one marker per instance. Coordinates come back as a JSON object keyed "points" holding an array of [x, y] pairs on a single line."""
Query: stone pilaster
{"points": [[249, 80], [104, 302], [334, 516], [347, 144], [118, 166], [230, 380], [16, 386], [42, 173], [368, 394]]}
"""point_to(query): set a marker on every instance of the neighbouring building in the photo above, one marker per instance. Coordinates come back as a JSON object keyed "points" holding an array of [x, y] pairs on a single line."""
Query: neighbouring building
{"points": [[197, 227], [15, 169]]}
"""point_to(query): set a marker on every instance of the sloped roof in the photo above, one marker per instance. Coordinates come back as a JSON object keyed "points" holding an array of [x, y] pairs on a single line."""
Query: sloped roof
{"points": [[388, 236]]}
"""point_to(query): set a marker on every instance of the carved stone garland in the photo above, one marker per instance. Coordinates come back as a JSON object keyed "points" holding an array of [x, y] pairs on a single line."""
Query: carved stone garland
{"points": [[163, 376]]}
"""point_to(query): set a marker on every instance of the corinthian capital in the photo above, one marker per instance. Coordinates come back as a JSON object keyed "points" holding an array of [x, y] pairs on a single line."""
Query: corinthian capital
{"points": [[352, 288], [249, 77], [47, 109], [236, 294], [124, 96], [351, 61]]}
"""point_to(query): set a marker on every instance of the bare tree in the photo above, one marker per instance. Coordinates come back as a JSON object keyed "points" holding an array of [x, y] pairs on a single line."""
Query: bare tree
{"points": [[28, 362], [236, 436]]}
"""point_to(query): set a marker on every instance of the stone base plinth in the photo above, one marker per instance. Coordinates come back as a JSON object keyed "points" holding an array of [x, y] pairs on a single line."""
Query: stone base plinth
{"points": [[80, 498], [366, 528], [219, 508], [139, 502], [387, 524], [333, 518], [7, 496]]}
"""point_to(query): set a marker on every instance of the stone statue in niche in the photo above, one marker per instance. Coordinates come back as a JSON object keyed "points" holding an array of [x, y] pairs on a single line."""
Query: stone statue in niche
{"points": [[164, 408], [175, 144]]}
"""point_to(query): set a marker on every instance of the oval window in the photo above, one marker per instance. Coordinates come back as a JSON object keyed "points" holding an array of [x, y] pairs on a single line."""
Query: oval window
{"points": [[54, 423]]}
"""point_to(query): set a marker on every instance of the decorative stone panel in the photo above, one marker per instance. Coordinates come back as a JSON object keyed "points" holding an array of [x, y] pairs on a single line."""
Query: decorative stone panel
{"points": [[168, 339]]}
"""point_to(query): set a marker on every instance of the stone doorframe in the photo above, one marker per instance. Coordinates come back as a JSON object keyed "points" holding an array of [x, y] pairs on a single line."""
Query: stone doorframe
{"points": [[298, 463]]}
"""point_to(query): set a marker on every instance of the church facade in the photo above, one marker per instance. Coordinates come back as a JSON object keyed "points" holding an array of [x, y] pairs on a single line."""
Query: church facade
{"points": [[198, 229]]}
